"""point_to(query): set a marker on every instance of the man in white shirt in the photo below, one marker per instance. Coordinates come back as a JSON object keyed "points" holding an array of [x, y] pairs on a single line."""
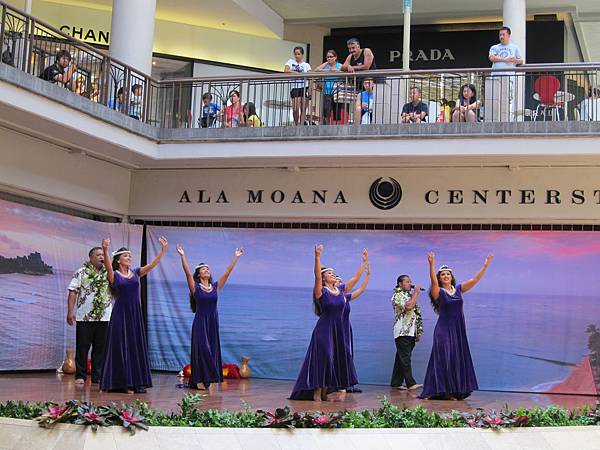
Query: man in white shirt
{"points": [[89, 306], [500, 99]]}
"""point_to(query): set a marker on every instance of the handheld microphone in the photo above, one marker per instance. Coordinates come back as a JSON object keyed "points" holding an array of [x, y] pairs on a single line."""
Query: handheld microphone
{"points": [[412, 286]]}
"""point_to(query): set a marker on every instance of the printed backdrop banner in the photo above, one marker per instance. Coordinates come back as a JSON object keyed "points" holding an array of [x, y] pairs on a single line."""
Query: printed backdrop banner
{"points": [[39, 251], [530, 321]]}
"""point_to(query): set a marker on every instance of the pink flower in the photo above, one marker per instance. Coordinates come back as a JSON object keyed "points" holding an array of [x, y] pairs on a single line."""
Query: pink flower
{"points": [[56, 411], [322, 420], [128, 416], [92, 416], [493, 421]]}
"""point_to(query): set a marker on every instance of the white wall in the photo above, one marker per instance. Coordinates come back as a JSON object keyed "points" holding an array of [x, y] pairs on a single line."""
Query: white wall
{"points": [[37, 169]]}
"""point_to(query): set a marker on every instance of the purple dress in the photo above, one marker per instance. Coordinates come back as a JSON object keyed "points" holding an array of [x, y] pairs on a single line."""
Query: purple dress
{"points": [[126, 362], [450, 372], [206, 344], [328, 361]]}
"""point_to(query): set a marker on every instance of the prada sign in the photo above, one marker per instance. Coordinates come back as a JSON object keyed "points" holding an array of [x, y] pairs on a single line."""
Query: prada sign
{"points": [[447, 46], [497, 193]]}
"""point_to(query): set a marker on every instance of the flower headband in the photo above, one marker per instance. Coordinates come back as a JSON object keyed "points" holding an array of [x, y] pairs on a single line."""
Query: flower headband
{"points": [[445, 267], [325, 269], [122, 252], [200, 266]]}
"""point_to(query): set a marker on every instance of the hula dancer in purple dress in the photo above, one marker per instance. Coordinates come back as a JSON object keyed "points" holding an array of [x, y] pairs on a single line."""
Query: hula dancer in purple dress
{"points": [[450, 373], [206, 362], [328, 364], [126, 365]]}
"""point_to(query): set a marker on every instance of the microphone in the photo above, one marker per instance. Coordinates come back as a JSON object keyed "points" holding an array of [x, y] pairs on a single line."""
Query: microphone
{"points": [[412, 286]]}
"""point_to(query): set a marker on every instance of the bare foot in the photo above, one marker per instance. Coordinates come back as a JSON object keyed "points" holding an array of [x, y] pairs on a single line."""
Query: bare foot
{"points": [[400, 388], [201, 387], [79, 381], [324, 397], [415, 386]]}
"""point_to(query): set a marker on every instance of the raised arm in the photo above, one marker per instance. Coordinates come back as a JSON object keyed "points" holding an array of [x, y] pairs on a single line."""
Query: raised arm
{"points": [[363, 285], [110, 274], [349, 285], [186, 269], [321, 68], [318, 288], [469, 284], [238, 252], [435, 287], [148, 267]]}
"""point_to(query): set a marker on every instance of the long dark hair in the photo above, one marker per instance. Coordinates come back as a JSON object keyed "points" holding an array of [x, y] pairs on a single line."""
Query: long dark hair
{"points": [[115, 266], [473, 89], [196, 277], [317, 308], [115, 260], [435, 303]]}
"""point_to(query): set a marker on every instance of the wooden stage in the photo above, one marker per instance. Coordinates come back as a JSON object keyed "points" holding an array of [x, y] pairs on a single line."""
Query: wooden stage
{"points": [[262, 394]]}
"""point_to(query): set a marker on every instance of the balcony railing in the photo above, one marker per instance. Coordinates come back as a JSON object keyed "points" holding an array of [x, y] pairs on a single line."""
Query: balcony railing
{"points": [[548, 92]]}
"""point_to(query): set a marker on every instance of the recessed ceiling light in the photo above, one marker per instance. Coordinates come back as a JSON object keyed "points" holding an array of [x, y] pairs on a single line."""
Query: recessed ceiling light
{"points": [[223, 23], [153, 63]]}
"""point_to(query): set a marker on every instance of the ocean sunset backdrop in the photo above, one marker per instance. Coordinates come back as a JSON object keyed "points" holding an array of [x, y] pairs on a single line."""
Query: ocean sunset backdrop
{"points": [[526, 319]]}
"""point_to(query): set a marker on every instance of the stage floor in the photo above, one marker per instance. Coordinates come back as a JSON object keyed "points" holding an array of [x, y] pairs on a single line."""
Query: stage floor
{"points": [[262, 394]]}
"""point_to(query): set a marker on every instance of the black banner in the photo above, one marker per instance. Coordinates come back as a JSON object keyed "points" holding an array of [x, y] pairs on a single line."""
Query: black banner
{"points": [[434, 47]]}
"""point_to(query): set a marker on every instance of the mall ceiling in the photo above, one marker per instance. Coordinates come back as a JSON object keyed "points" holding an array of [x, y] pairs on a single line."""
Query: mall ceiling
{"points": [[267, 17]]}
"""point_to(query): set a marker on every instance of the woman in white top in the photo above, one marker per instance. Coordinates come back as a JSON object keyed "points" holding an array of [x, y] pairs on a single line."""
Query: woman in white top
{"points": [[299, 87]]}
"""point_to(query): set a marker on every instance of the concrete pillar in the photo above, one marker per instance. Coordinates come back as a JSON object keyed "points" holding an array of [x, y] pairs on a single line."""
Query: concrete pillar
{"points": [[514, 13], [132, 33]]}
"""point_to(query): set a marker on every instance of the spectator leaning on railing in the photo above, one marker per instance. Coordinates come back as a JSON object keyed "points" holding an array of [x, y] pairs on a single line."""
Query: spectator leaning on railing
{"points": [[117, 102], [136, 101], [210, 111], [415, 111], [331, 109], [61, 72]]}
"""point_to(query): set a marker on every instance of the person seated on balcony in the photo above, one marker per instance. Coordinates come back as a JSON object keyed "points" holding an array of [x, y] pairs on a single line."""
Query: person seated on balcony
{"points": [[251, 119], [210, 111], [415, 111], [331, 109], [589, 109], [363, 109], [299, 90], [234, 113], [61, 72], [467, 106], [136, 101], [116, 103]]}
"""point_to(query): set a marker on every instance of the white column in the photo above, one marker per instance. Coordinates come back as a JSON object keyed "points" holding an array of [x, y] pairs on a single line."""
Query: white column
{"points": [[28, 6], [514, 13], [406, 37], [132, 33]]}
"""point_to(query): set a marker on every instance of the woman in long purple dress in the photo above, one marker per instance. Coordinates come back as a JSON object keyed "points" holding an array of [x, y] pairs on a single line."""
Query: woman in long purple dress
{"points": [[126, 364], [450, 374], [206, 362], [328, 363]]}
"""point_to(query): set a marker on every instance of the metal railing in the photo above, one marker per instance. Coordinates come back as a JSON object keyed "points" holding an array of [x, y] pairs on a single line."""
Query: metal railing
{"points": [[549, 92]]}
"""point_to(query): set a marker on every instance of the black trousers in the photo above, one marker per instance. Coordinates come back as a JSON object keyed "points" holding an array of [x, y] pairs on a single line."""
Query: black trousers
{"points": [[90, 334], [402, 366]]}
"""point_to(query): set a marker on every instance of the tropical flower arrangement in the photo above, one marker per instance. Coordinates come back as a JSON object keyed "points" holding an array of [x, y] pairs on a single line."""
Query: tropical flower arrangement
{"points": [[139, 415]]}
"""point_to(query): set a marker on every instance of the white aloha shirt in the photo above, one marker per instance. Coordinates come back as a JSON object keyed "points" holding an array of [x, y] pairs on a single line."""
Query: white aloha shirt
{"points": [[407, 323], [94, 302]]}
